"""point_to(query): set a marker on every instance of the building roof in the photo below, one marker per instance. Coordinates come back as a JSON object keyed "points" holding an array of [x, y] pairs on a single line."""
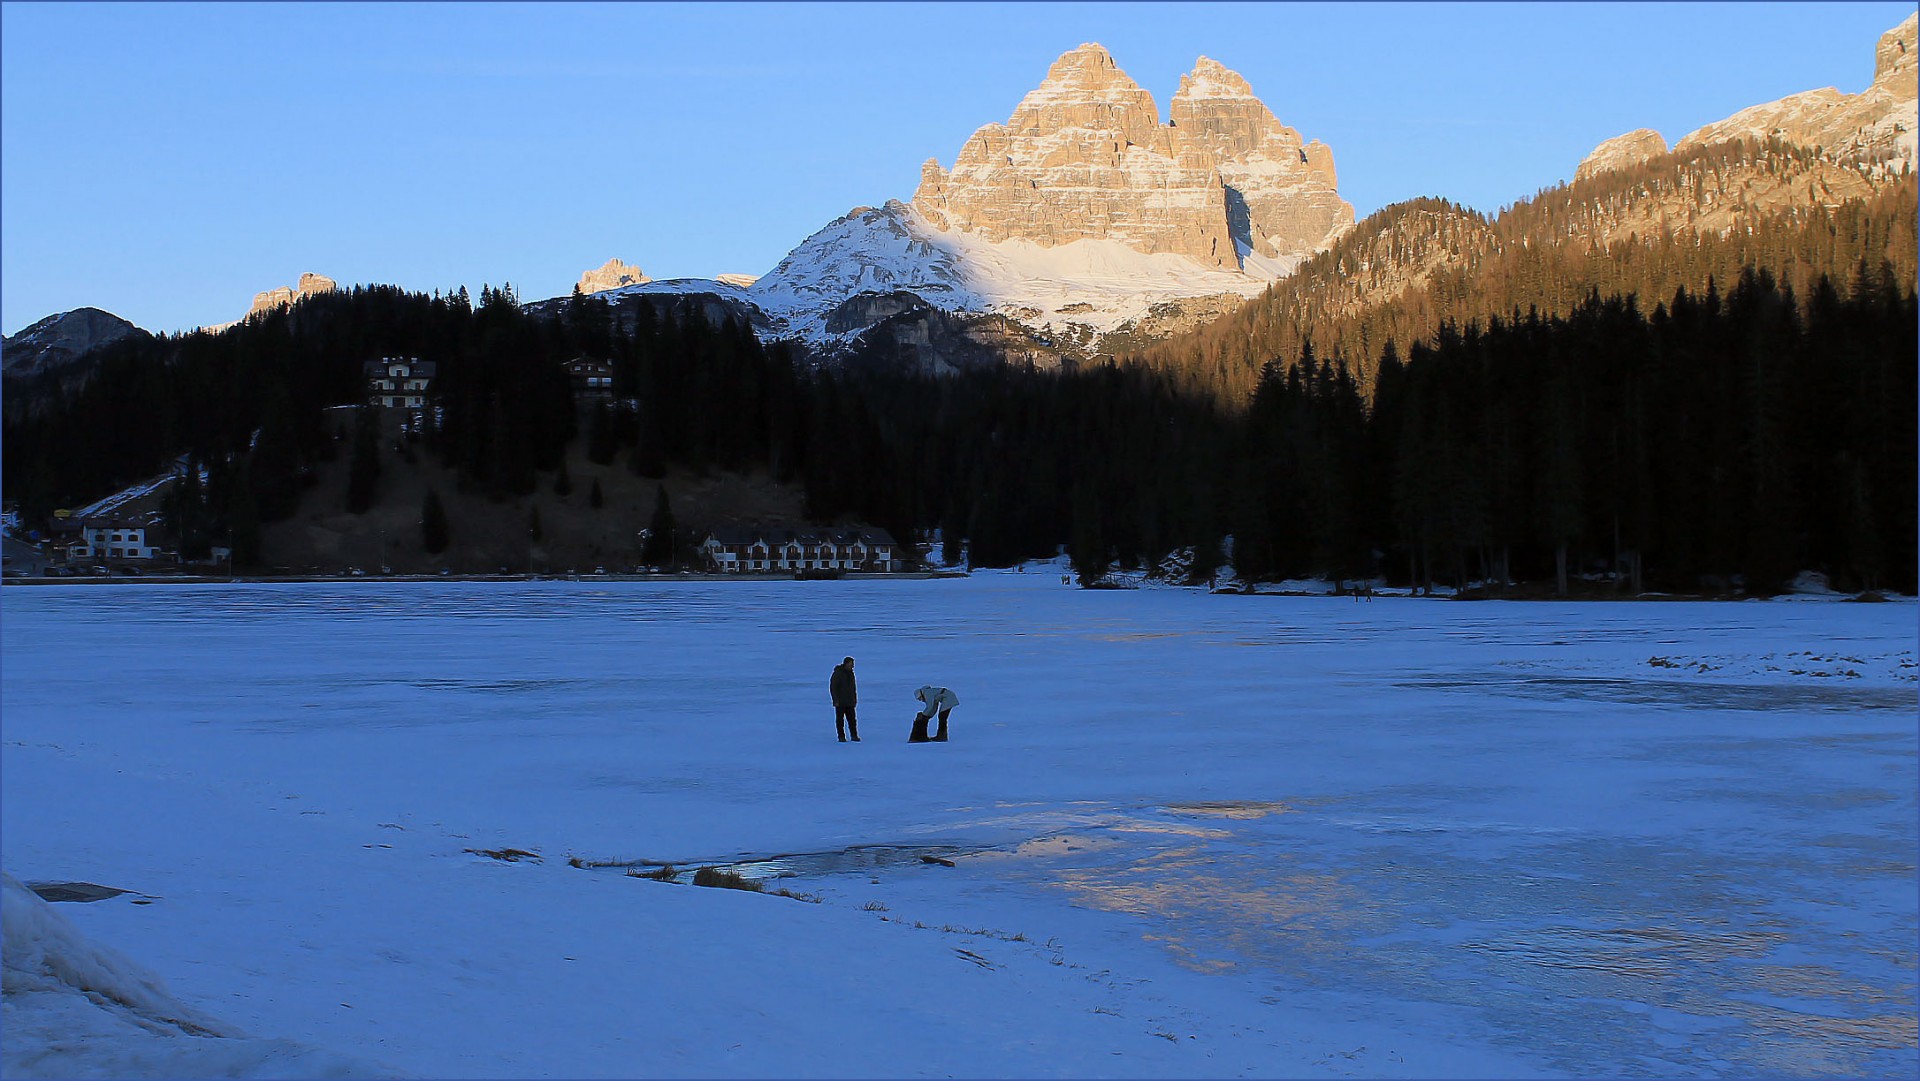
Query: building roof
{"points": [[416, 368], [781, 536]]}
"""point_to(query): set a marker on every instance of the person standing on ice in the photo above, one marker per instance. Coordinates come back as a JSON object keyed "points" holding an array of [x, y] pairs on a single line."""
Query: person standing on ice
{"points": [[932, 700], [844, 698]]}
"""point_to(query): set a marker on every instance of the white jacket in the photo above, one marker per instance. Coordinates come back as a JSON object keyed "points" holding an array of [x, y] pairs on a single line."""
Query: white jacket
{"points": [[936, 699]]}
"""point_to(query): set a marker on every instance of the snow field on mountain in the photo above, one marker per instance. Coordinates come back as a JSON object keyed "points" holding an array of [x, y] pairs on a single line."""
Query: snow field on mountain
{"points": [[895, 248], [1085, 286], [1191, 834]]}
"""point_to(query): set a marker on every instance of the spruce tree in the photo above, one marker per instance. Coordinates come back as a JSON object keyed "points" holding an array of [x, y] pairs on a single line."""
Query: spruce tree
{"points": [[601, 442], [243, 522], [363, 469], [659, 549], [433, 524]]}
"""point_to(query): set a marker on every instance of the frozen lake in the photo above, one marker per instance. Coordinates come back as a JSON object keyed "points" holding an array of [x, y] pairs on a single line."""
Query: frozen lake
{"points": [[1191, 835]]}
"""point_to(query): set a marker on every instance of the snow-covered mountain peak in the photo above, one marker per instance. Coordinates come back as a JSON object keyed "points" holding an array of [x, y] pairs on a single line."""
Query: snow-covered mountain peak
{"points": [[1078, 290], [1081, 215]]}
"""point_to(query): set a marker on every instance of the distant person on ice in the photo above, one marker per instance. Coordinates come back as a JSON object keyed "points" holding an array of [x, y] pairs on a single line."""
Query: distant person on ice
{"points": [[844, 698], [932, 700]]}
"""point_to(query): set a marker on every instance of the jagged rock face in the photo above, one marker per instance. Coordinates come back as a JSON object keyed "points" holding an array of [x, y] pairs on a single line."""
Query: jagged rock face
{"points": [[1876, 125], [1283, 188], [283, 296], [929, 341], [1622, 152], [865, 309], [1893, 61], [614, 274], [59, 340], [1085, 157]]}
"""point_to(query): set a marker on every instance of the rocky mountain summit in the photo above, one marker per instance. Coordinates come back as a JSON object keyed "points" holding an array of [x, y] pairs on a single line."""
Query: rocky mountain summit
{"points": [[1622, 151], [613, 274], [58, 341], [1088, 225], [1814, 184], [282, 297], [1881, 124], [1086, 157], [1082, 221]]}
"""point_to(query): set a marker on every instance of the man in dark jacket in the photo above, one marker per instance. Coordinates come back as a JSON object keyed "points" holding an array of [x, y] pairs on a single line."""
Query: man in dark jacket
{"points": [[844, 698]]}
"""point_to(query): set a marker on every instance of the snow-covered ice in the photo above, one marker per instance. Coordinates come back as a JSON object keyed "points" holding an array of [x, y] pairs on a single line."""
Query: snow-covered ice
{"points": [[74, 1009], [1191, 834]]}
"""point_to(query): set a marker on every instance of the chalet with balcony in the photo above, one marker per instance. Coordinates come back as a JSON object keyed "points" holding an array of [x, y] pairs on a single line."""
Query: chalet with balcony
{"points": [[399, 382], [591, 378]]}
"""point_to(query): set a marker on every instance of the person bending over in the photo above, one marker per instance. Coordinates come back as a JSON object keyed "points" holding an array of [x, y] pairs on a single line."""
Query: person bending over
{"points": [[933, 700]]}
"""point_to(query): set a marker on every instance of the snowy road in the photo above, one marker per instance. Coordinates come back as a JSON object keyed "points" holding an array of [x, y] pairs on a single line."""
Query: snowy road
{"points": [[1192, 835]]}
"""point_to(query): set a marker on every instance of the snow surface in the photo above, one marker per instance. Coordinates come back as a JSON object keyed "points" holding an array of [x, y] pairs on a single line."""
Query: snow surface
{"points": [[1069, 290], [114, 503], [1192, 835], [74, 1009]]}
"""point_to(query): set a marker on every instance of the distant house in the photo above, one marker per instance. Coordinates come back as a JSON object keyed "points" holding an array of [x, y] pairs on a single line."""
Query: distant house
{"points": [[65, 538], [771, 551], [591, 378], [75, 540], [399, 382]]}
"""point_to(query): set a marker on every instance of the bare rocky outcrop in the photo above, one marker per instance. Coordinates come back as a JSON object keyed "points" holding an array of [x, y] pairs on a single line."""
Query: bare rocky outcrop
{"points": [[1880, 124], [1281, 196], [1085, 157], [1622, 152], [58, 341], [309, 284], [613, 274]]}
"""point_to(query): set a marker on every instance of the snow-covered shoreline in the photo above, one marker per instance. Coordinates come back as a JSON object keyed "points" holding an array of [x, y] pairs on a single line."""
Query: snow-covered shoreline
{"points": [[1199, 838]]}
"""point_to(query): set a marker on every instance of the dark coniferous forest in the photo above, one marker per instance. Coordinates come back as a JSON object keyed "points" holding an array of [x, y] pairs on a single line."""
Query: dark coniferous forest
{"points": [[1736, 435]]}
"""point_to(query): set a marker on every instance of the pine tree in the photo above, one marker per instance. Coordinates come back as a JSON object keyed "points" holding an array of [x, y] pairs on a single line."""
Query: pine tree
{"points": [[1088, 553], [243, 522], [534, 532], [363, 470], [433, 524], [594, 498], [659, 549], [601, 444]]}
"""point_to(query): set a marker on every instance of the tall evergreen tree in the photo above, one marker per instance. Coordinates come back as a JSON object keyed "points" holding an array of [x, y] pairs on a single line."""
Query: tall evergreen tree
{"points": [[434, 531], [363, 468], [659, 549]]}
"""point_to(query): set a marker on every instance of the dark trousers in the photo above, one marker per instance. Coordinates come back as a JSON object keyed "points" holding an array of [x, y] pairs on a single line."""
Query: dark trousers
{"points": [[844, 722], [920, 728]]}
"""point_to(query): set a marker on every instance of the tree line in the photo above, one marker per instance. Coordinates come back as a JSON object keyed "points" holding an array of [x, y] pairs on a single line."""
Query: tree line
{"points": [[1666, 224], [1751, 433]]}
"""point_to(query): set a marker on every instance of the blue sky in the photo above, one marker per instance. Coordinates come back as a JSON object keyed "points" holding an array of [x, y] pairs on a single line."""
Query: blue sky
{"points": [[167, 161]]}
